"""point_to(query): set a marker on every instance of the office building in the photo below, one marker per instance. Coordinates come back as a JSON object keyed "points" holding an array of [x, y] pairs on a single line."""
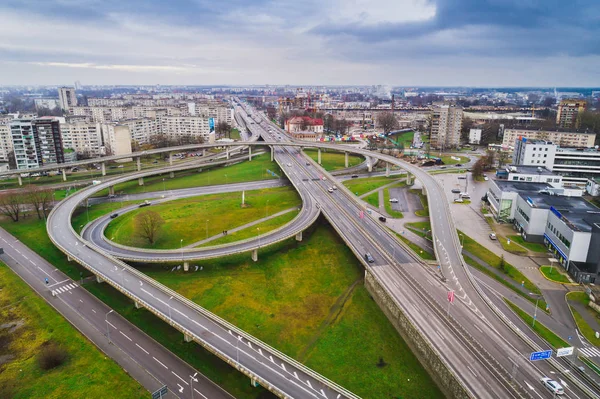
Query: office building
{"points": [[446, 124], [533, 174], [563, 139], [67, 98], [568, 112], [36, 142], [534, 153]]}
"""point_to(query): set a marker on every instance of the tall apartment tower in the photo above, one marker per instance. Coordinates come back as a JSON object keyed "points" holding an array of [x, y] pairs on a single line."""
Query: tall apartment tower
{"points": [[446, 123], [67, 98], [568, 110], [36, 142]]}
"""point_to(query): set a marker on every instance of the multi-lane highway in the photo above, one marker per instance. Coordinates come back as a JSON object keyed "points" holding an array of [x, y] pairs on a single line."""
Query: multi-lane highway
{"points": [[473, 342]]}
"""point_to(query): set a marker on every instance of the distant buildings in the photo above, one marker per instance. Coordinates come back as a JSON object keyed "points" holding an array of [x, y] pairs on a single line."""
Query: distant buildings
{"points": [[50, 103], [564, 139], [446, 124], [83, 138], [568, 112], [67, 98], [36, 142], [474, 136]]}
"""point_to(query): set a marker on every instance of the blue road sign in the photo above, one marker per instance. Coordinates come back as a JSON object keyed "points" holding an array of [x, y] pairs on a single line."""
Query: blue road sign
{"points": [[540, 355]]}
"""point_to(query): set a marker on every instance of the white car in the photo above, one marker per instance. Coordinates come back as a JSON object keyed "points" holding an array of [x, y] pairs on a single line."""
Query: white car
{"points": [[458, 200], [553, 386], [394, 200], [486, 178], [289, 164]]}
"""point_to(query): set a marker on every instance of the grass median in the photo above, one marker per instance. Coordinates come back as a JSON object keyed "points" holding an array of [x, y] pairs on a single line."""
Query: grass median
{"points": [[331, 161], [532, 246], [364, 185], [34, 325], [553, 273], [548, 335], [211, 215], [588, 331]]}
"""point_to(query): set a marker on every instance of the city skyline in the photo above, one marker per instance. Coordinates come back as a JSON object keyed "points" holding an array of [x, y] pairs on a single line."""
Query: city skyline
{"points": [[428, 43]]}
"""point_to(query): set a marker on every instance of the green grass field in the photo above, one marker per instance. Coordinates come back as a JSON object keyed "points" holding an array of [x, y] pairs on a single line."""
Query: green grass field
{"points": [[373, 199], [211, 215], [405, 138], [264, 227], [316, 311], [511, 247], [554, 340], [589, 332], [554, 274], [87, 373], [532, 246], [364, 185], [420, 252], [239, 172], [331, 161], [447, 160], [420, 228], [81, 214]]}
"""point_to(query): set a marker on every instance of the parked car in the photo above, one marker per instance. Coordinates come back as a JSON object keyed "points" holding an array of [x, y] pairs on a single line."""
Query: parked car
{"points": [[492, 236], [369, 258], [465, 196], [455, 191], [486, 178], [553, 386], [394, 200], [458, 200], [382, 218], [462, 177]]}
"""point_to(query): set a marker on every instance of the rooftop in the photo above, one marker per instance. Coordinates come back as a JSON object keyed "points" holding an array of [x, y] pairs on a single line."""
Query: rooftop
{"points": [[578, 213], [530, 170], [521, 186]]}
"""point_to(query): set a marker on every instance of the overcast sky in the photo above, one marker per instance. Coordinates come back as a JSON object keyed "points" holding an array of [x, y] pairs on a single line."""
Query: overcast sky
{"points": [[301, 42]]}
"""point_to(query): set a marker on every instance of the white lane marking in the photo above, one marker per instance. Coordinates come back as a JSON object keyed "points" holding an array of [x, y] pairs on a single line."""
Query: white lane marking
{"points": [[200, 393], [472, 372], [147, 353], [309, 384], [93, 311], [80, 301], [159, 362], [110, 324], [283, 366], [70, 292], [478, 329], [180, 388], [123, 334], [184, 381], [323, 393]]}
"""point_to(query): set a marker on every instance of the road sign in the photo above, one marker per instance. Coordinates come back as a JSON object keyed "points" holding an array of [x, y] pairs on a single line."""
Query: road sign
{"points": [[543, 355], [159, 393], [565, 351]]}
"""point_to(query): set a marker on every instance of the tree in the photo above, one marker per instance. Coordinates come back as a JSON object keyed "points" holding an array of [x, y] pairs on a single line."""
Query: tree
{"points": [[12, 160], [477, 170], [159, 141], [589, 121], [222, 129], [328, 121], [387, 121], [40, 199], [11, 205], [467, 125], [548, 102], [147, 225], [503, 157]]}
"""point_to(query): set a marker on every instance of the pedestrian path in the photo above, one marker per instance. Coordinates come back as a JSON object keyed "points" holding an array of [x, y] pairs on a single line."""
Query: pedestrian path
{"points": [[590, 351], [64, 288]]}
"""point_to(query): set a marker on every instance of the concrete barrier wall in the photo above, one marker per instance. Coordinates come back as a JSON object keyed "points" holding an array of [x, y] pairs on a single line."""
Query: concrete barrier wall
{"points": [[437, 369]]}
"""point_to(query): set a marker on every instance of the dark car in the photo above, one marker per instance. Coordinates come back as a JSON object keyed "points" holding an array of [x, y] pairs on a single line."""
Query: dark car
{"points": [[382, 218], [114, 215], [308, 163], [458, 165], [369, 258], [456, 190], [354, 176]]}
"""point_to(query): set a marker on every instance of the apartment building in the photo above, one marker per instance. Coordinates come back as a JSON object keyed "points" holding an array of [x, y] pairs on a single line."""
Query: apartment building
{"points": [[36, 142], [67, 98], [446, 124], [142, 129], [176, 127], [116, 139], [564, 139], [568, 112], [6, 145], [106, 102], [50, 103], [83, 138]]}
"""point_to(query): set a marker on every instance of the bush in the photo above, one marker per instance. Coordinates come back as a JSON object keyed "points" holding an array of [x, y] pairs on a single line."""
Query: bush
{"points": [[51, 356]]}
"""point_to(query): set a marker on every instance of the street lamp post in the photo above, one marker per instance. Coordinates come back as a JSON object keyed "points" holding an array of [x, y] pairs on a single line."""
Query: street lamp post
{"points": [[169, 305], [181, 247], [462, 240], [193, 378], [106, 320], [164, 189], [537, 298]]}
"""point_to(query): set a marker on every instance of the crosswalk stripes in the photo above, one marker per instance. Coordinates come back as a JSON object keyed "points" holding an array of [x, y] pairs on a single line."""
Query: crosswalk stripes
{"points": [[590, 351], [64, 288]]}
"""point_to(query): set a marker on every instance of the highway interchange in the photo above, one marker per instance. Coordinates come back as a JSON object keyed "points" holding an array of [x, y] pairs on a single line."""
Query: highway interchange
{"points": [[474, 342]]}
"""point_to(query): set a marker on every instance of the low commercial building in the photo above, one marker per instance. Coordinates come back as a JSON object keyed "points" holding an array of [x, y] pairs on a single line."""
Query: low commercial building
{"points": [[305, 128], [502, 196], [533, 174], [593, 186]]}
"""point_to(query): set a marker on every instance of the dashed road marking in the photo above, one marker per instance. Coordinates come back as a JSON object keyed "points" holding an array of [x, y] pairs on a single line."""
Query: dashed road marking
{"points": [[147, 353], [159, 362], [123, 334]]}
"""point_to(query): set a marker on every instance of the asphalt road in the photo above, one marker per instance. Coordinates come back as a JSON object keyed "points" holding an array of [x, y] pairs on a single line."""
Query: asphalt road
{"points": [[151, 364]]}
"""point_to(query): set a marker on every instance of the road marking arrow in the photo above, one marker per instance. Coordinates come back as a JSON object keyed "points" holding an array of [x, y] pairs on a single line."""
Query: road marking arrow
{"points": [[529, 386]]}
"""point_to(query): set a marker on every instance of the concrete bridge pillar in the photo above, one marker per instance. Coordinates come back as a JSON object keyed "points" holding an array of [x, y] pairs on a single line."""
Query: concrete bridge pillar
{"points": [[99, 279], [139, 163], [111, 190], [369, 164], [255, 255], [319, 156], [187, 337], [172, 175], [249, 153], [299, 236], [103, 168], [141, 181], [69, 258], [272, 153], [186, 266], [21, 179], [204, 152], [423, 191], [64, 173], [387, 169], [408, 179], [171, 158], [137, 305], [346, 159], [227, 152]]}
